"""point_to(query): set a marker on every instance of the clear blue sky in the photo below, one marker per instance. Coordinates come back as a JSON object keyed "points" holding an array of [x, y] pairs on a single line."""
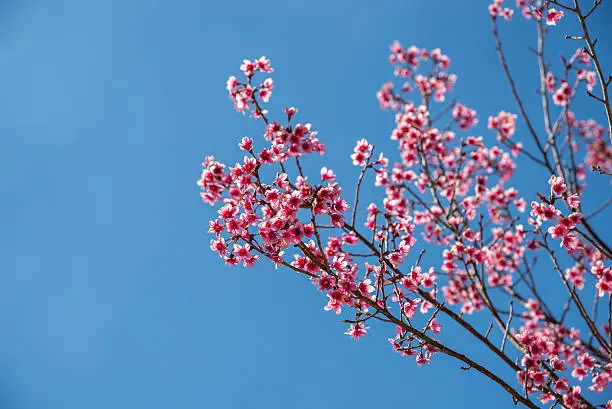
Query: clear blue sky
{"points": [[109, 296]]}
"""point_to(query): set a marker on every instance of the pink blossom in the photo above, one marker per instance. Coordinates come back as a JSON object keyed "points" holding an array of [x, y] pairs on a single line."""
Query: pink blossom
{"points": [[505, 123], [573, 201], [435, 327], [449, 191], [557, 185], [423, 360], [562, 95], [357, 330], [327, 174], [553, 17], [361, 152]]}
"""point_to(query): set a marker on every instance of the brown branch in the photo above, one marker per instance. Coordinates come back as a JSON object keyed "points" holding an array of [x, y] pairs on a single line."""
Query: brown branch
{"points": [[597, 3], [519, 102], [599, 209], [544, 93], [590, 45], [451, 352], [600, 170], [576, 299]]}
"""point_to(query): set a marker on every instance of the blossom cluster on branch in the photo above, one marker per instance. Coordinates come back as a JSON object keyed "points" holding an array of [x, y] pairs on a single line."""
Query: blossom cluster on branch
{"points": [[451, 189]]}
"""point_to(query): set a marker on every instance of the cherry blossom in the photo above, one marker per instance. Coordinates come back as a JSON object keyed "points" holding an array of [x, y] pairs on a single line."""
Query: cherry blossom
{"points": [[553, 16], [357, 330], [448, 238]]}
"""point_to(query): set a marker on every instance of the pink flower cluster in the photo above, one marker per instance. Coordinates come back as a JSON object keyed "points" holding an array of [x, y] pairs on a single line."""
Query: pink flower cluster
{"points": [[465, 116], [598, 150], [604, 278], [496, 10], [553, 353], [291, 141], [406, 62], [242, 93], [553, 16], [563, 94], [529, 9], [564, 227], [450, 189], [599, 154], [361, 153], [505, 123]]}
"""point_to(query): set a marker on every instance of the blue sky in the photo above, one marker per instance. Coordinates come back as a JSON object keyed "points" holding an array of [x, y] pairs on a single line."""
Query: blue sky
{"points": [[109, 296]]}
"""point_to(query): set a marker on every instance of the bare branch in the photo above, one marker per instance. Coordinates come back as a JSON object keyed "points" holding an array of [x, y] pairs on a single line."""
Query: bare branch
{"points": [[507, 327], [590, 46], [599, 209]]}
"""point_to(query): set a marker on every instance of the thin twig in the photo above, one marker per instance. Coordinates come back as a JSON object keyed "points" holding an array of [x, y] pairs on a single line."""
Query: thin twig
{"points": [[605, 99], [519, 102], [507, 327], [599, 209]]}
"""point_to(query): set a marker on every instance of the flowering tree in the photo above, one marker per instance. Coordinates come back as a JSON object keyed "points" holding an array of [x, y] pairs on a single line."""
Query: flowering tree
{"points": [[452, 192]]}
